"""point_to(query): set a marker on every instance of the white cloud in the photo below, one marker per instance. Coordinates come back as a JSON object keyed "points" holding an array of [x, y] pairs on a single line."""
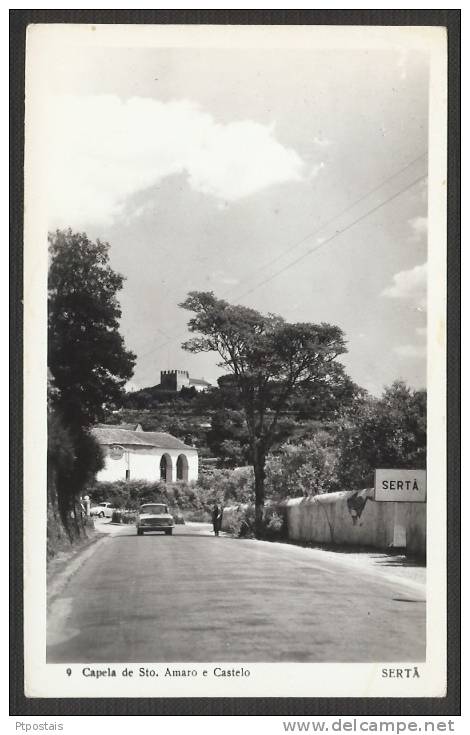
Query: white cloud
{"points": [[315, 170], [410, 285], [101, 150], [413, 351]]}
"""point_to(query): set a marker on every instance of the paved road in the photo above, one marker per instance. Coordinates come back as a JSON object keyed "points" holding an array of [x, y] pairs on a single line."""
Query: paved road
{"points": [[194, 597]]}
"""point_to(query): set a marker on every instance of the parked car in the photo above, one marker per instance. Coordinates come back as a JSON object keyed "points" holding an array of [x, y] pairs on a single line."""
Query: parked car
{"points": [[154, 517], [102, 510]]}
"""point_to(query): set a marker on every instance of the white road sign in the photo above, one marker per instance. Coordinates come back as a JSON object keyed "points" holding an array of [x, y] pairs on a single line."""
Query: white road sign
{"points": [[401, 485]]}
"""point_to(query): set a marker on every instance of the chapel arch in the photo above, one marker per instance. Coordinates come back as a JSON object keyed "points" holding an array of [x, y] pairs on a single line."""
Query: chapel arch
{"points": [[166, 469], [182, 468]]}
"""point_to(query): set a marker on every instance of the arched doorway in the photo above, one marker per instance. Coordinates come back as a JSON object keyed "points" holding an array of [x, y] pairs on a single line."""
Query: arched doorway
{"points": [[182, 468], [166, 469]]}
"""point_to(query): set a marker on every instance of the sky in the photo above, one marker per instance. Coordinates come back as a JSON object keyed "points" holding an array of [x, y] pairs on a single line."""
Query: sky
{"points": [[292, 181]]}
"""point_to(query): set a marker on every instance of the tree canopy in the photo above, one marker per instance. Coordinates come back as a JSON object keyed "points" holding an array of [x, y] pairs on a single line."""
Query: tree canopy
{"points": [[389, 432], [88, 362], [268, 360], [86, 352]]}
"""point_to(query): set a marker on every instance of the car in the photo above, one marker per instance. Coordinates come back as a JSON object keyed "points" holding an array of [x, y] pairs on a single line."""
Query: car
{"points": [[154, 517], [102, 510]]}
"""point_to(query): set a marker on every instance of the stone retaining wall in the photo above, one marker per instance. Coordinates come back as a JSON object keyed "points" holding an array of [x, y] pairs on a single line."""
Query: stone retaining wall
{"points": [[352, 518]]}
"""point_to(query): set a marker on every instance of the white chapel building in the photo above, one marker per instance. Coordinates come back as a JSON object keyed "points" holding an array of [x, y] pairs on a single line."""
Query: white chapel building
{"points": [[133, 454]]}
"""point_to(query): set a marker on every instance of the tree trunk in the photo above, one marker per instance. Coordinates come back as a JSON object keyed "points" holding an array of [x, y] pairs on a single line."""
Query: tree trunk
{"points": [[258, 466]]}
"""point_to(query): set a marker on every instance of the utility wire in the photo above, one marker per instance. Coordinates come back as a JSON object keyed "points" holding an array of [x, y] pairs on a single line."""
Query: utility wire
{"points": [[335, 217], [329, 239], [320, 245], [321, 227], [162, 333]]}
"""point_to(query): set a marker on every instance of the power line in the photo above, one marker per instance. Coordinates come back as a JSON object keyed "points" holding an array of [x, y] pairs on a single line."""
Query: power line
{"points": [[336, 234], [325, 242], [335, 217], [321, 227], [162, 332], [160, 347]]}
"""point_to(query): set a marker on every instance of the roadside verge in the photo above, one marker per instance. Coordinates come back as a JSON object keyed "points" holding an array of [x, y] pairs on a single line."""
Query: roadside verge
{"points": [[63, 566]]}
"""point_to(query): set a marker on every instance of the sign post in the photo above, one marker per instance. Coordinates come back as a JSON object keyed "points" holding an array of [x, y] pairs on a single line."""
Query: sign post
{"points": [[405, 486]]}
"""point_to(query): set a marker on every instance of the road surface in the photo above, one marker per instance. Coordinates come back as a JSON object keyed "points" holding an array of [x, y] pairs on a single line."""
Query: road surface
{"points": [[195, 598]]}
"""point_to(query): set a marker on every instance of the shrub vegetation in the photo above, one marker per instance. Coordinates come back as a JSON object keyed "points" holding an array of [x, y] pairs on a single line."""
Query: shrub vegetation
{"points": [[339, 455], [88, 368]]}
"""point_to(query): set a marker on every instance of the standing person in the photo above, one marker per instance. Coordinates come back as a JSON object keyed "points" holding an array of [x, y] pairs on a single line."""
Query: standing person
{"points": [[217, 518]]}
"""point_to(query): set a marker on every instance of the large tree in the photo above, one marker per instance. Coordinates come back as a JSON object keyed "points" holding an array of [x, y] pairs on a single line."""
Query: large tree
{"points": [[386, 432], [86, 352], [268, 360], [89, 364]]}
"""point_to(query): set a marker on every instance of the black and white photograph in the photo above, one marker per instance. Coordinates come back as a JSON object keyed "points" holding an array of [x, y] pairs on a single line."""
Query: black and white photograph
{"points": [[235, 328]]}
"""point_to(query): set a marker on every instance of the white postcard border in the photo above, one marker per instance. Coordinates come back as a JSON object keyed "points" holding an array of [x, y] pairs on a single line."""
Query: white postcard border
{"points": [[265, 680]]}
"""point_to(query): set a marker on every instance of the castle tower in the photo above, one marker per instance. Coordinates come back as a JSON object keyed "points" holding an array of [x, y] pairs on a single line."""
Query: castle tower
{"points": [[174, 380]]}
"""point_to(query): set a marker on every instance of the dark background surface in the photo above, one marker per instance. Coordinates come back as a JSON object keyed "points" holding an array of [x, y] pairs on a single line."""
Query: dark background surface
{"points": [[19, 704]]}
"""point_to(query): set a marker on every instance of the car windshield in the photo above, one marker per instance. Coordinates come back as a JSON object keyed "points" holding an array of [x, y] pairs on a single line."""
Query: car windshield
{"points": [[153, 509]]}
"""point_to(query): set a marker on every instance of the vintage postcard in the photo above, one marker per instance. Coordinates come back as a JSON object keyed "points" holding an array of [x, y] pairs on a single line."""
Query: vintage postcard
{"points": [[235, 384]]}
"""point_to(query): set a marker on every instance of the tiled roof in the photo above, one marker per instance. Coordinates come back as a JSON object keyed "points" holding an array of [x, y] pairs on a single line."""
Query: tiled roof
{"points": [[163, 440], [158, 439], [126, 427], [198, 381]]}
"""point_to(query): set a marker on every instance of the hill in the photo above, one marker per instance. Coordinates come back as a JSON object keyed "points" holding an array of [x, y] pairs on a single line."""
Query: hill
{"points": [[213, 422], [186, 415]]}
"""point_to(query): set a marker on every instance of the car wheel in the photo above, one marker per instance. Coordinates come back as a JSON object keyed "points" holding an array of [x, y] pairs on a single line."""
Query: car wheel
{"points": [[101, 514], [169, 531]]}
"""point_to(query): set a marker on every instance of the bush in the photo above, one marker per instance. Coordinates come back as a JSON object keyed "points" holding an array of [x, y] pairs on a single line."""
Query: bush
{"points": [[198, 516], [226, 486], [120, 516], [130, 494], [187, 500], [273, 526], [73, 457], [307, 468], [179, 496], [385, 432], [242, 523], [178, 517]]}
